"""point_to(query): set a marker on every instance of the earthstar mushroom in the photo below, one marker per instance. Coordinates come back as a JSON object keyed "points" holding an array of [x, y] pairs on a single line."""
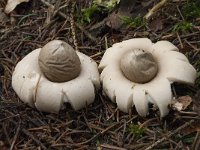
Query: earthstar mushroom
{"points": [[39, 78], [59, 62], [138, 66], [138, 72]]}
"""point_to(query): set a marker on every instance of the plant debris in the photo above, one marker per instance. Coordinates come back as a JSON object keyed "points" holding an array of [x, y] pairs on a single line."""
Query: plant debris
{"points": [[11, 4], [100, 125], [182, 103], [196, 103]]}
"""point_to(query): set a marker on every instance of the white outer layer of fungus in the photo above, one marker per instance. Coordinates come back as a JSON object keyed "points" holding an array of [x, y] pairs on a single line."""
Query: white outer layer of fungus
{"points": [[36, 90], [173, 66], [11, 4]]}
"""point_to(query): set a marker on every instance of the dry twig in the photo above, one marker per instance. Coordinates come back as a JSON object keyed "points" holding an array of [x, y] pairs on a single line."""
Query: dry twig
{"points": [[169, 135], [154, 9]]}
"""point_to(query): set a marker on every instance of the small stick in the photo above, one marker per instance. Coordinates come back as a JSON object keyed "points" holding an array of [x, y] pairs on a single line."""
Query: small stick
{"points": [[73, 30], [33, 138], [26, 132], [108, 128], [1, 120], [188, 113], [196, 141], [95, 136], [68, 19], [169, 135], [180, 13], [97, 54], [111, 147], [179, 39], [16, 136], [154, 9], [106, 42], [147, 122], [7, 138], [92, 38]]}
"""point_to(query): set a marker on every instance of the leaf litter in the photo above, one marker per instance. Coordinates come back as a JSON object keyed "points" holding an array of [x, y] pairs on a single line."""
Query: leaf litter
{"points": [[100, 125]]}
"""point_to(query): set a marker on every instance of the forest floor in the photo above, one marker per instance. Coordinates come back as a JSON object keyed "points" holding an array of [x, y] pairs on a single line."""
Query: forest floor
{"points": [[101, 125]]}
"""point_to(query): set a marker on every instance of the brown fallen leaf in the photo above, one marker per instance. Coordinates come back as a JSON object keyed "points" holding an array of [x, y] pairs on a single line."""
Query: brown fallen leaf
{"points": [[181, 103], [125, 8], [156, 25], [11, 4], [185, 100]]}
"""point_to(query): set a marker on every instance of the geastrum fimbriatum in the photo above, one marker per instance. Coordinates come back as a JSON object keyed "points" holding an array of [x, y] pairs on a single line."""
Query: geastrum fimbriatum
{"points": [[50, 76], [138, 72]]}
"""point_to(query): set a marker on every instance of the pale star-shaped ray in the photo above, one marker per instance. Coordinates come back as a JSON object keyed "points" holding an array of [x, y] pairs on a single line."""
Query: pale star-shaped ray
{"points": [[173, 66]]}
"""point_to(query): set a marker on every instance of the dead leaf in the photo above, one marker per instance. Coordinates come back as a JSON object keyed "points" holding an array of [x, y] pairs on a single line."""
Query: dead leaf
{"points": [[11, 4], [125, 8], [147, 3], [176, 105], [181, 103], [156, 25], [185, 100]]}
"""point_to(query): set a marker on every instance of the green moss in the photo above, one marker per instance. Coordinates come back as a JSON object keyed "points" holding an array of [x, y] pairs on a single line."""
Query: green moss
{"points": [[132, 22], [182, 26], [191, 10], [99, 7], [88, 12], [98, 143], [136, 130], [29, 37], [109, 4]]}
